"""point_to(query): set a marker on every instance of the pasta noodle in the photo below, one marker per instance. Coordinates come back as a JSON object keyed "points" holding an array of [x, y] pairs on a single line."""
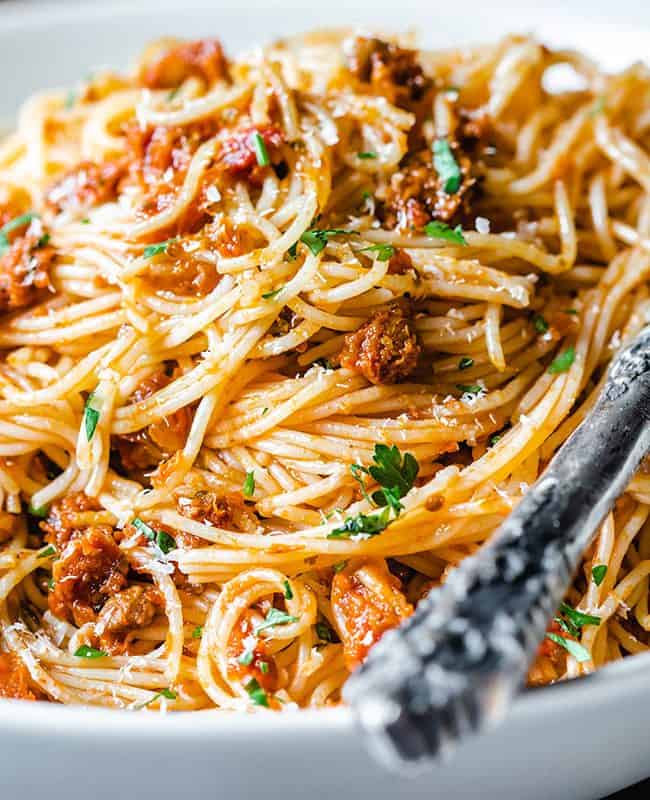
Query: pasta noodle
{"points": [[285, 339]]}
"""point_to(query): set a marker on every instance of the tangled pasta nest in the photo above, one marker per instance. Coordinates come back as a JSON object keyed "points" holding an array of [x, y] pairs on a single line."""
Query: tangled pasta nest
{"points": [[285, 339]]}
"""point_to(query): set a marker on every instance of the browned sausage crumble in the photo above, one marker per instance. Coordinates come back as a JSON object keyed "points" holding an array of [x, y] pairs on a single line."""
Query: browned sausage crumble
{"points": [[384, 349]]}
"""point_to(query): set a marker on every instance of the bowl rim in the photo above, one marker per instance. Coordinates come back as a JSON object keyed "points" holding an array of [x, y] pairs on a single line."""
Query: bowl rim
{"points": [[607, 686]]}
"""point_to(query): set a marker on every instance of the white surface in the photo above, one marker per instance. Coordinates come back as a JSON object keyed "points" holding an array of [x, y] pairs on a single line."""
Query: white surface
{"points": [[578, 741]]}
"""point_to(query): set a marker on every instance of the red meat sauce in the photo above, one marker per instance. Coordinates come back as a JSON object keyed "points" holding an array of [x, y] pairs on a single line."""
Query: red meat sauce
{"points": [[93, 580], [26, 258], [14, 679], [385, 349], [363, 615], [203, 59]]}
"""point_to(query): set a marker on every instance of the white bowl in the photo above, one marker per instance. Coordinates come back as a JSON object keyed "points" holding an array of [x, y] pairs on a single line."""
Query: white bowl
{"points": [[578, 740]]}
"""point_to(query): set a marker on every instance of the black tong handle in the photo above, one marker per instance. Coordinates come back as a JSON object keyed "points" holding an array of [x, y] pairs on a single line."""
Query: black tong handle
{"points": [[458, 661]]}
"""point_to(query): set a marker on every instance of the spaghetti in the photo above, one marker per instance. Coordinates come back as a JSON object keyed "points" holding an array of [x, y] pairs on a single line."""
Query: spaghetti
{"points": [[285, 339]]}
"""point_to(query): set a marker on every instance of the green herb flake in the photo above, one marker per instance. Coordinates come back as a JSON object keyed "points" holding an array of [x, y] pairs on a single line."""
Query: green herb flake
{"points": [[324, 632], [440, 230], [47, 552], [168, 694], [145, 529], [265, 411], [246, 658], [572, 311], [363, 525], [288, 591], [580, 653], [598, 573], [91, 416], [197, 633], [275, 616], [446, 166], [316, 239], [40, 512], [89, 652], [156, 249], [384, 251], [466, 362], [272, 295], [261, 153], [340, 566], [577, 618], [368, 154], [469, 388], [264, 667], [563, 361], [43, 241], [494, 439], [256, 693], [165, 542], [540, 324], [248, 488], [12, 225], [85, 221], [51, 584]]}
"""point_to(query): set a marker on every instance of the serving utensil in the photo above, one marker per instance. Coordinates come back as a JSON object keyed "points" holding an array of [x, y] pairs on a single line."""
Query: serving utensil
{"points": [[455, 665]]}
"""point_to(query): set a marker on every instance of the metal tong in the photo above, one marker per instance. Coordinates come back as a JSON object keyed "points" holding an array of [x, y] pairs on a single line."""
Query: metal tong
{"points": [[456, 664]]}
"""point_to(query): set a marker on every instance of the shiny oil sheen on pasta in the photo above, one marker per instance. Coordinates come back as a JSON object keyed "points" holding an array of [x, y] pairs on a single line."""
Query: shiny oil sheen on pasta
{"points": [[285, 338]]}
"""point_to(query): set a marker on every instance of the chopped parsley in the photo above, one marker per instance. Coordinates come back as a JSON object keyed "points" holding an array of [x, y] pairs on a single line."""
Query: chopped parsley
{"points": [[469, 388], [369, 524], [51, 584], [324, 632], [12, 225], [288, 591], [40, 512], [598, 573], [580, 653], [563, 362], [165, 542], [91, 416], [274, 616], [572, 621], [494, 439], [43, 241], [446, 166], [466, 362], [157, 249], [162, 540], [197, 633], [272, 295], [540, 324], [440, 230], [367, 155], [395, 475], [89, 652], [256, 693], [246, 658], [248, 489], [264, 667], [384, 251], [48, 552], [572, 311], [169, 694], [316, 239], [261, 153], [340, 566]]}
